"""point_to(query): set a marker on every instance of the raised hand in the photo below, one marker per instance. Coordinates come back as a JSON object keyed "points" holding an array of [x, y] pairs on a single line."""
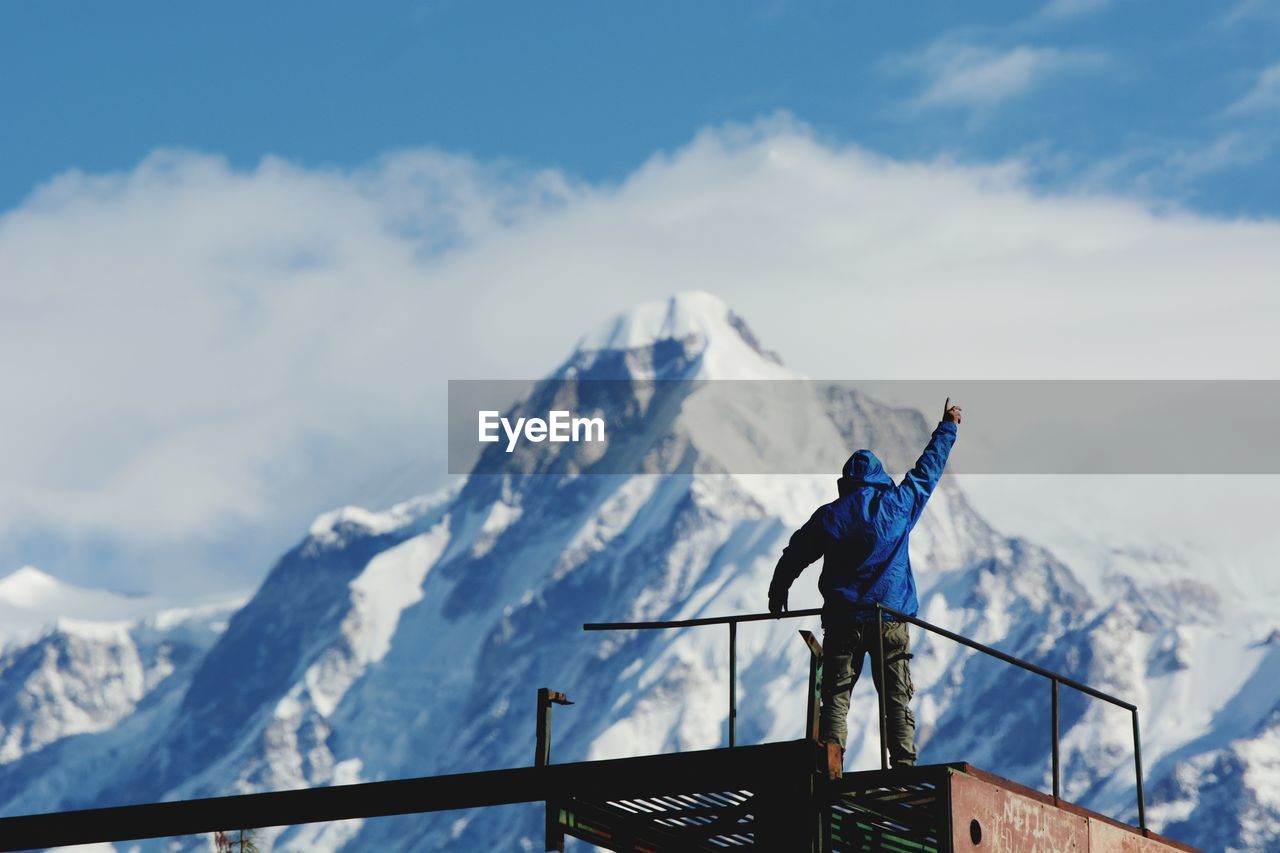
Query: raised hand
{"points": [[950, 412]]}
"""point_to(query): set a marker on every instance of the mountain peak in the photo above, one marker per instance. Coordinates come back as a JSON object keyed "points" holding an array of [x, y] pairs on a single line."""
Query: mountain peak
{"points": [[684, 315], [27, 585], [701, 320]]}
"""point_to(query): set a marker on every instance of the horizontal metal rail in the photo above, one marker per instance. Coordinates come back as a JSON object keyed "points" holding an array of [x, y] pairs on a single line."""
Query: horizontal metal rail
{"points": [[817, 611], [1010, 659], [896, 614], [692, 623], [732, 622], [881, 611]]}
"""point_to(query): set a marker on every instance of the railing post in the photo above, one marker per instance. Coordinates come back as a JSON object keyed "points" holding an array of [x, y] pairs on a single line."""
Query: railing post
{"points": [[733, 683], [880, 688], [812, 710], [554, 835], [546, 698], [1057, 775], [1137, 763]]}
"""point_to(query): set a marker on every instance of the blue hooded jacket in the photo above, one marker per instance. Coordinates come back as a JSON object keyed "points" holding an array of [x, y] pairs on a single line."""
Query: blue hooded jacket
{"points": [[862, 536]]}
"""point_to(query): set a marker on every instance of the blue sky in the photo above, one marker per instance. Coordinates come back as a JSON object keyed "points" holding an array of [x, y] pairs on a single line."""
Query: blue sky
{"points": [[243, 246], [1169, 100]]}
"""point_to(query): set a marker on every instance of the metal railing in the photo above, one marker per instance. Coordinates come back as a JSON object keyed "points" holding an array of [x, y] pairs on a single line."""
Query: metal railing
{"points": [[1055, 678]]}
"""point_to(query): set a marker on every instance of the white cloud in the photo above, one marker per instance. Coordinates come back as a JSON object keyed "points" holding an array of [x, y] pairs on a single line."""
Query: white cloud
{"points": [[1162, 169], [975, 76], [1251, 10], [1264, 96], [1072, 8], [1228, 151], [199, 354]]}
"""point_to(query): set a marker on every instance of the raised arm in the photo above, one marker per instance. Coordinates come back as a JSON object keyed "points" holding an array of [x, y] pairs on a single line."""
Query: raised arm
{"points": [[918, 485], [806, 545]]}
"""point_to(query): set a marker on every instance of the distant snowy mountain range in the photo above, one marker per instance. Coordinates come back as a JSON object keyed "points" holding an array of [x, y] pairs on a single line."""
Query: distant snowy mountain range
{"points": [[410, 641]]}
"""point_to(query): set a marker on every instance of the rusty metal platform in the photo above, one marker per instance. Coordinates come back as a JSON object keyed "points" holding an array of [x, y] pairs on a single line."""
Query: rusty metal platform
{"points": [[772, 797], [789, 806]]}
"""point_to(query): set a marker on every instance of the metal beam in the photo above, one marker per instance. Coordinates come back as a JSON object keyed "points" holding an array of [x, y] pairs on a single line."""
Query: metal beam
{"points": [[615, 778]]}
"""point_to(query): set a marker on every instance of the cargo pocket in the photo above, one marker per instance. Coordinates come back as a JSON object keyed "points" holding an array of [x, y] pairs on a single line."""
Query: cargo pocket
{"points": [[899, 651]]}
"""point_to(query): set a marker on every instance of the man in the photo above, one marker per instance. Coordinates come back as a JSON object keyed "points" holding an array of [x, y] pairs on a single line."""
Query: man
{"points": [[862, 537]]}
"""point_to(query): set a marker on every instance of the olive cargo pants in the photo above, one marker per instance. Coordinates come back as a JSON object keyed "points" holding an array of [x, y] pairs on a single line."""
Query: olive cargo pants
{"points": [[843, 652]]}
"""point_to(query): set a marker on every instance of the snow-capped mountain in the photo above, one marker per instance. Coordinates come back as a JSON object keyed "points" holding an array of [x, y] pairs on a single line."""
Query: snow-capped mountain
{"points": [[411, 641], [77, 665]]}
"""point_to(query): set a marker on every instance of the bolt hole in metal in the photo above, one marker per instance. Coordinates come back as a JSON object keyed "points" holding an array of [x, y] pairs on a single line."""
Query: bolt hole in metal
{"points": [[975, 831]]}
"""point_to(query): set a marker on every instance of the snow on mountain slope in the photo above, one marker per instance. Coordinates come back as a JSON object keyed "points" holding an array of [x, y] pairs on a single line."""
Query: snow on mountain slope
{"points": [[411, 642], [1221, 790], [253, 713]]}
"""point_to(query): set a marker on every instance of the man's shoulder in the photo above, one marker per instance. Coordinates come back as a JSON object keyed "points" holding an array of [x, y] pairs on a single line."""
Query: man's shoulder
{"points": [[840, 504], [834, 515]]}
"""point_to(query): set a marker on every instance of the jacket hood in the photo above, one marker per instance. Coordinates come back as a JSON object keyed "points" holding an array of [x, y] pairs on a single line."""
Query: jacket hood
{"points": [[863, 469]]}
